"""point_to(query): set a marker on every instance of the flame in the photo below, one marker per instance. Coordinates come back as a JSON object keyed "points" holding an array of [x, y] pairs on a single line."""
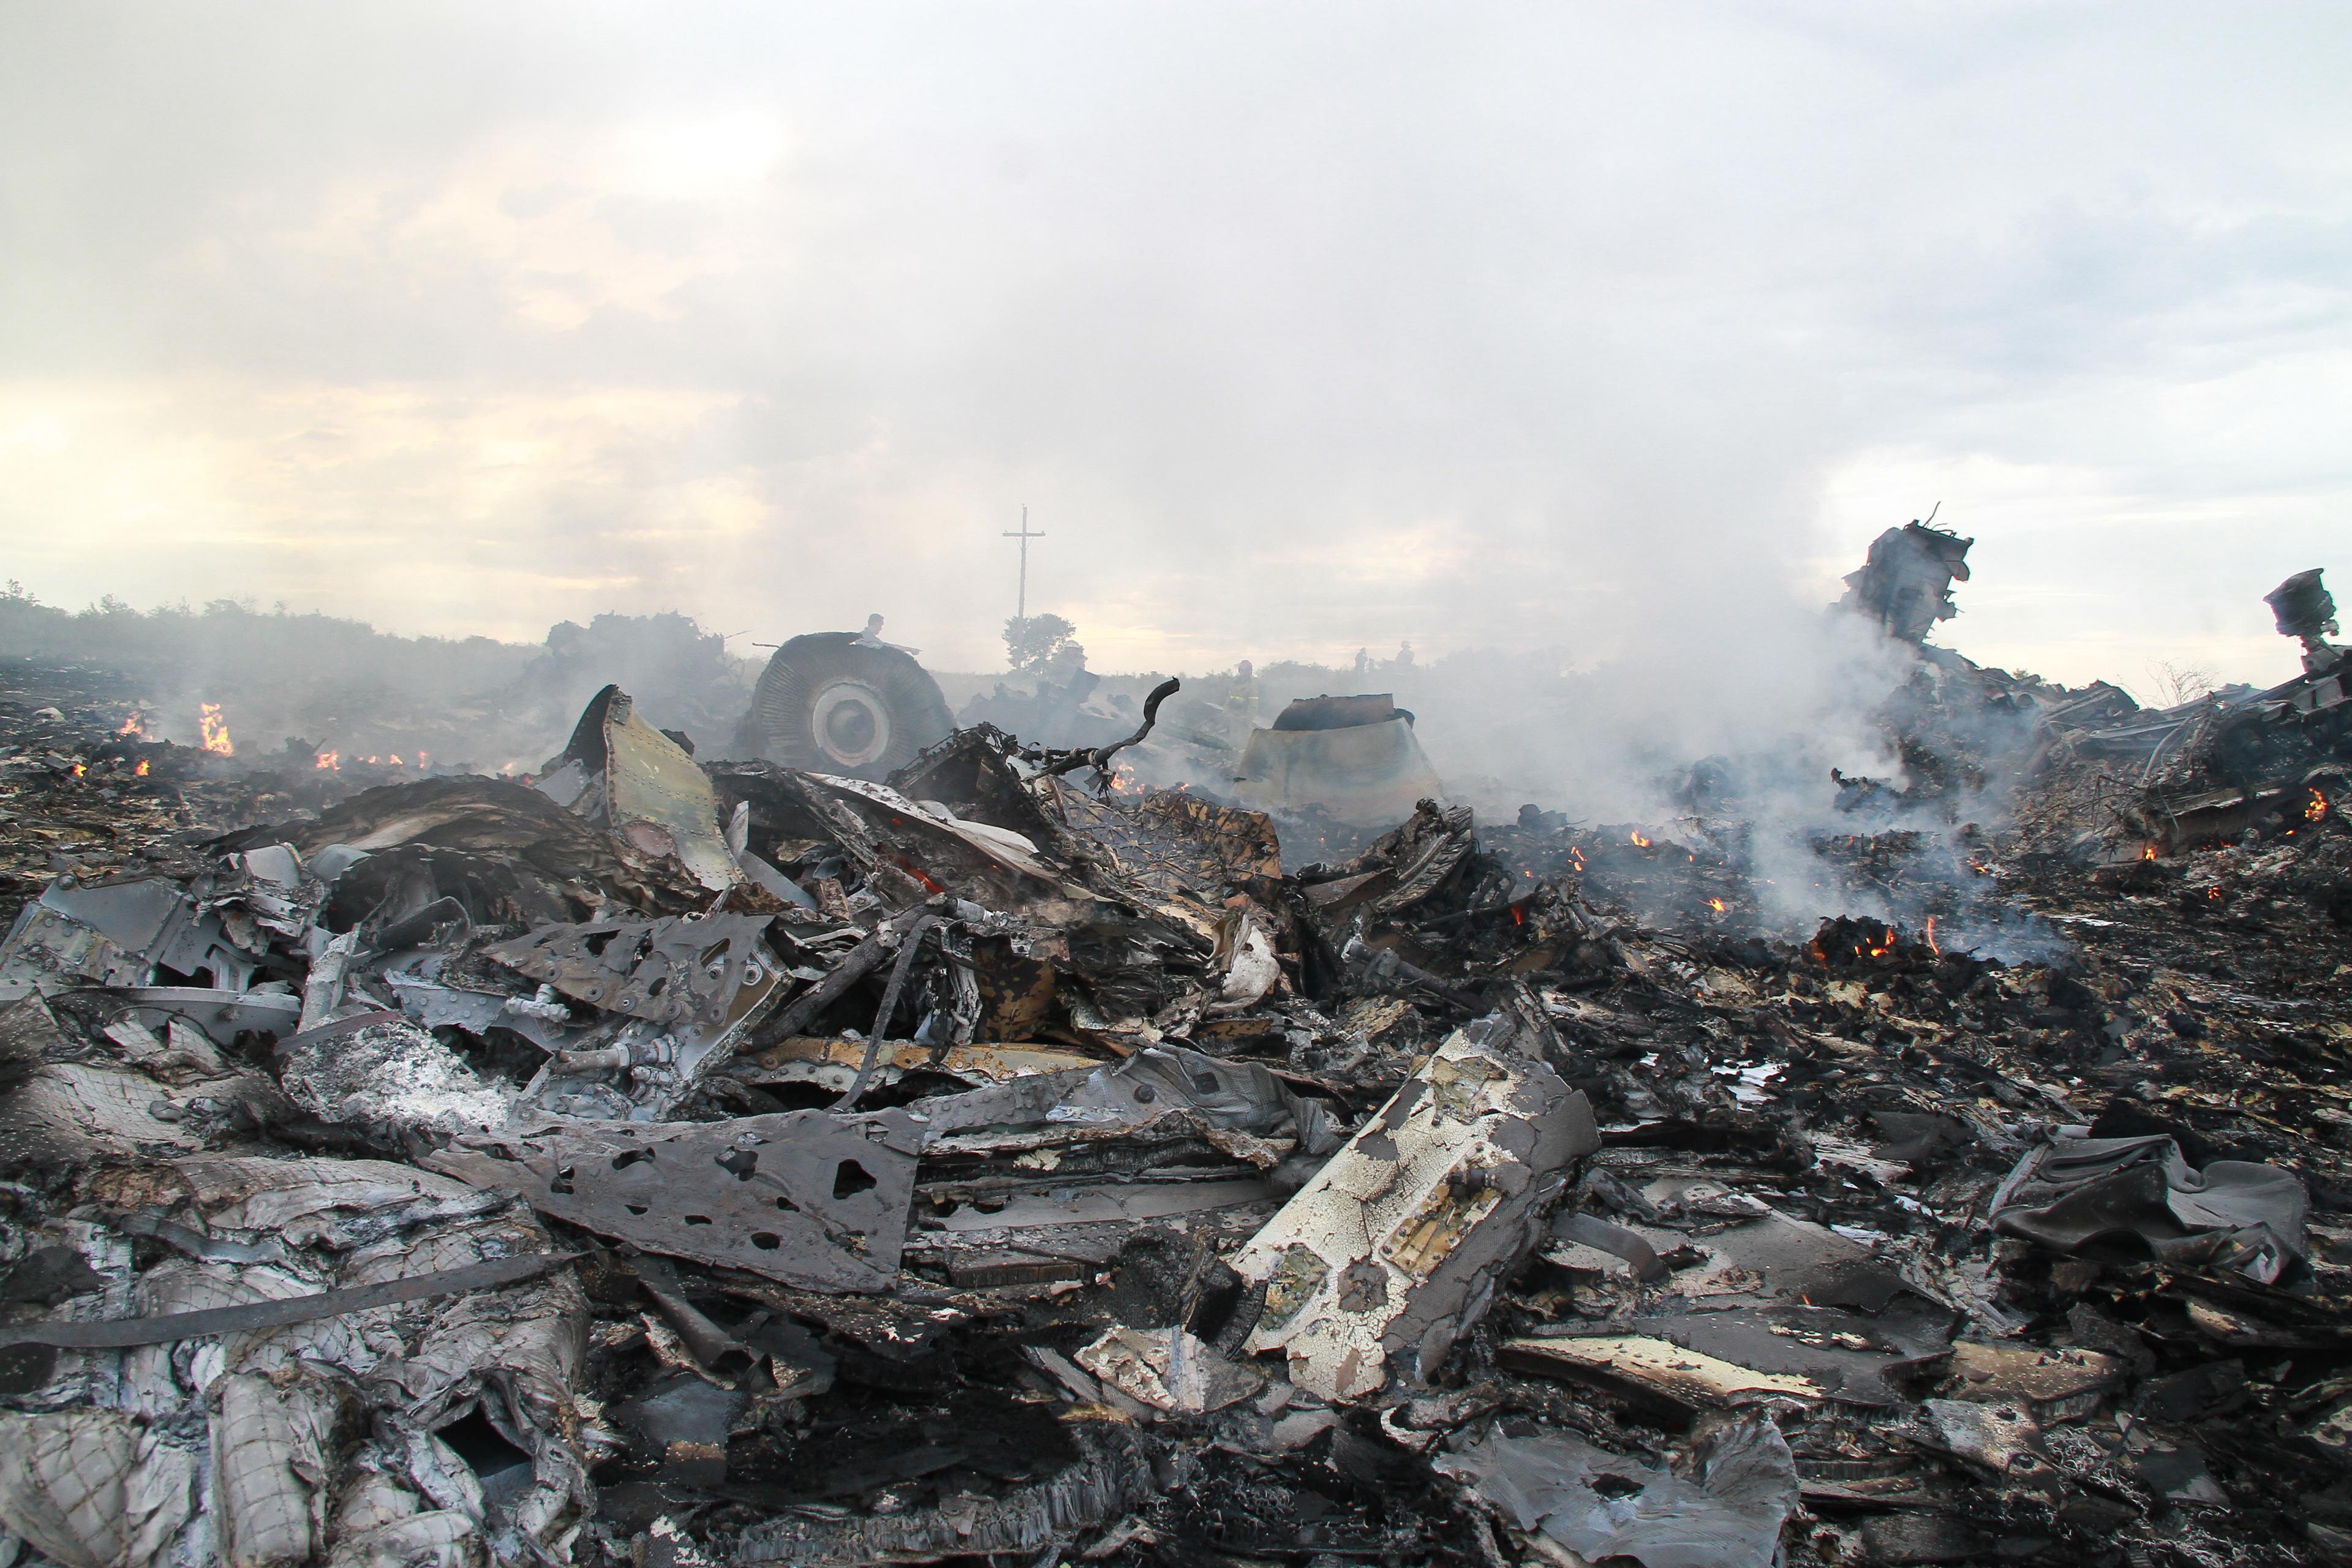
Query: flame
{"points": [[1577, 855], [329, 761], [133, 728], [79, 769], [140, 771], [2213, 893], [396, 761], [420, 759], [216, 729], [2147, 852], [2315, 808], [915, 872], [1518, 915], [1931, 937], [1715, 904], [1640, 842]]}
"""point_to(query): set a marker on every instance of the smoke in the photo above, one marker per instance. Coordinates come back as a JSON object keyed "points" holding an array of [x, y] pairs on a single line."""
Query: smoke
{"points": [[1785, 694], [1840, 771], [289, 687]]}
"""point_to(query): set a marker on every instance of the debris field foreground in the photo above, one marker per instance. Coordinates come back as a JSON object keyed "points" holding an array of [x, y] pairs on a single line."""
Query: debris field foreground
{"points": [[676, 1163]]}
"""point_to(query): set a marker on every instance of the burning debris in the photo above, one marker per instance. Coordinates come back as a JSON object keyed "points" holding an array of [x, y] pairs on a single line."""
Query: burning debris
{"points": [[938, 1146], [2236, 765]]}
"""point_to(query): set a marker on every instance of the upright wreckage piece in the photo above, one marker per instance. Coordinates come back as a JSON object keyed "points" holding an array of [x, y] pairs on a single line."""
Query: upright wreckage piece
{"points": [[622, 773], [1906, 585], [1354, 757]]}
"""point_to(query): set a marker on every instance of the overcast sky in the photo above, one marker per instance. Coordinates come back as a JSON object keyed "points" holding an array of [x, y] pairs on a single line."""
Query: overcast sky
{"points": [[1297, 327]]}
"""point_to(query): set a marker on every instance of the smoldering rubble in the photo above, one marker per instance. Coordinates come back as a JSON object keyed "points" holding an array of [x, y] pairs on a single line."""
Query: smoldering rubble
{"points": [[665, 1160]]}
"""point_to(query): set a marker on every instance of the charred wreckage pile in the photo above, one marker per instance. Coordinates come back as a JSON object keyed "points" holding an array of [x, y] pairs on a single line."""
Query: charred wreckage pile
{"points": [[664, 1163]]}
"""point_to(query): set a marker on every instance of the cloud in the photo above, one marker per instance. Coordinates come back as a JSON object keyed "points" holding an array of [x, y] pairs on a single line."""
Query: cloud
{"points": [[1299, 328]]}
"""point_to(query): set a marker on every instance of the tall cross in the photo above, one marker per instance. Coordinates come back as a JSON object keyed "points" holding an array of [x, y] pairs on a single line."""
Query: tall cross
{"points": [[1021, 608]]}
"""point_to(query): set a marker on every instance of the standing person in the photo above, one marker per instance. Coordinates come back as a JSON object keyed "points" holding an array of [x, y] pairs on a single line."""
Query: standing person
{"points": [[1242, 696]]}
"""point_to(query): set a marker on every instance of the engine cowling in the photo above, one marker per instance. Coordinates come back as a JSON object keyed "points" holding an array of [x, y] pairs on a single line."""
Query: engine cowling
{"points": [[830, 702]]}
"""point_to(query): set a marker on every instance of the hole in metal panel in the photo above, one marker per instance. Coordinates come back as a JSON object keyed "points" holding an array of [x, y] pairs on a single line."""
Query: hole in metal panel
{"points": [[482, 1445]]}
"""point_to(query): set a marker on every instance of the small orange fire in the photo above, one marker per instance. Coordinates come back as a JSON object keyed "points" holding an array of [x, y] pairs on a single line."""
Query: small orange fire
{"points": [[215, 729], [140, 771], [1931, 937], [396, 761], [1715, 904], [132, 728], [915, 872], [2147, 852], [329, 762], [79, 769], [1639, 842], [2315, 808]]}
